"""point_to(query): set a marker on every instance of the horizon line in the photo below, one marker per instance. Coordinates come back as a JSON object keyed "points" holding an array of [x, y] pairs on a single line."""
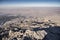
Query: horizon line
{"points": [[31, 5]]}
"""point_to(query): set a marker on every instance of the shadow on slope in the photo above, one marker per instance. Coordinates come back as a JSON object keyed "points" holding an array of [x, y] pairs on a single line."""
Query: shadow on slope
{"points": [[3, 18], [53, 33]]}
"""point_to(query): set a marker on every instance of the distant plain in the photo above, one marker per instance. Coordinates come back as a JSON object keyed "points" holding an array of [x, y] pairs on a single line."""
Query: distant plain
{"points": [[52, 13]]}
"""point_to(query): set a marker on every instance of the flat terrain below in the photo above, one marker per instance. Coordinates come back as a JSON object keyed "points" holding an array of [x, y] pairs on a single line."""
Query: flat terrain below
{"points": [[52, 13]]}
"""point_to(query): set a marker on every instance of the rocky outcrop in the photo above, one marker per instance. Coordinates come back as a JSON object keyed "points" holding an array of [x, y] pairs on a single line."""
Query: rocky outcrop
{"points": [[28, 29]]}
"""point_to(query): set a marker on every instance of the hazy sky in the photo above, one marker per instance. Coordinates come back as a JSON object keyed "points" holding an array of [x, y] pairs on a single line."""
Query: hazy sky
{"points": [[29, 3]]}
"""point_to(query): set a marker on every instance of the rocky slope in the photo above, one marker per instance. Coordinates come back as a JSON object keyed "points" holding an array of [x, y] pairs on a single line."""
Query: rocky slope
{"points": [[30, 28]]}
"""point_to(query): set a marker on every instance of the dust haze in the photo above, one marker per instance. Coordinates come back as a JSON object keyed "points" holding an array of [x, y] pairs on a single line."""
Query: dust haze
{"points": [[47, 12], [31, 11]]}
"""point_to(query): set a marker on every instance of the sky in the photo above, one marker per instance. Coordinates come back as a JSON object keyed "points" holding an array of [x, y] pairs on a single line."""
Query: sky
{"points": [[29, 3]]}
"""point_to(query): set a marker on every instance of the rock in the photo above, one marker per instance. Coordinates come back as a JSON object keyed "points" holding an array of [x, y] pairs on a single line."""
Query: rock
{"points": [[41, 34], [29, 29]]}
